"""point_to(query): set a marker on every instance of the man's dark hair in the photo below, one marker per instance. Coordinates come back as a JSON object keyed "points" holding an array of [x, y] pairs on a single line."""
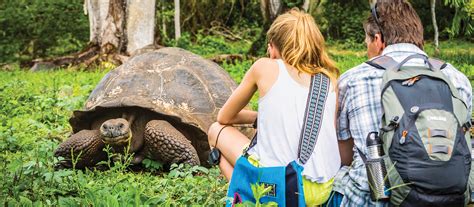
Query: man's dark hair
{"points": [[371, 29], [398, 21]]}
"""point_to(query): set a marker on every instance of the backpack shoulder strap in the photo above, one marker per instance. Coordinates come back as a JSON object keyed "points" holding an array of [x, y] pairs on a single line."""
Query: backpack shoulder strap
{"points": [[383, 62], [437, 64], [313, 116]]}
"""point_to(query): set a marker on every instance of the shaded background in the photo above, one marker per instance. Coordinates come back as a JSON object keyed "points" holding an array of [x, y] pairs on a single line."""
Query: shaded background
{"points": [[33, 29]]}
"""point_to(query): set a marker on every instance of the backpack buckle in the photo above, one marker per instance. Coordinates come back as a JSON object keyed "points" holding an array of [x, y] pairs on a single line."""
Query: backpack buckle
{"points": [[467, 126], [392, 125], [411, 81]]}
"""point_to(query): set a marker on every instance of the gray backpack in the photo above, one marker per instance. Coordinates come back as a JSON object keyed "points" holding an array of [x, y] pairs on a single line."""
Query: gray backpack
{"points": [[425, 131]]}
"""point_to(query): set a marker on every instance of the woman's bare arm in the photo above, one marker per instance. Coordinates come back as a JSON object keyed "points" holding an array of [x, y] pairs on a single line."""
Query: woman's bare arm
{"points": [[233, 111]]}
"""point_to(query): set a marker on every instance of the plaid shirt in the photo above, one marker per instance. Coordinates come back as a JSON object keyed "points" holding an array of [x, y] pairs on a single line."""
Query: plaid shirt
{"points": [[360, 112]]}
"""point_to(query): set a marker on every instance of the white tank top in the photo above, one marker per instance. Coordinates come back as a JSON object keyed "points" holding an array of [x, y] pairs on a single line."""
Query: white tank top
{"points": [[280, 119]]}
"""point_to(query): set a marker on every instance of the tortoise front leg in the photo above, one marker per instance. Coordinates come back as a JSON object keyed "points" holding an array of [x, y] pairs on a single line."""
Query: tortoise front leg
{"points": [[165, 143], [86, 147]]}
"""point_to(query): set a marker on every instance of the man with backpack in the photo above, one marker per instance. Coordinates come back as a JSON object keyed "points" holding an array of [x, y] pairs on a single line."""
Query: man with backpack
{"points": [[420, 107]]}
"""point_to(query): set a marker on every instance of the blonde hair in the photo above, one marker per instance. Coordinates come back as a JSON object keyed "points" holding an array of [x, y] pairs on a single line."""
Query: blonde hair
{"points": [[301, 44]]}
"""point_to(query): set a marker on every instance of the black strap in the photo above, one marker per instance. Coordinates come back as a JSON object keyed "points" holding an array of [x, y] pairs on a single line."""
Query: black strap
{"points": [[468, 124], [218, 134], [387, 63], [362, 155], [383, 62], [253, 142], [437, 64], [313, 116]]}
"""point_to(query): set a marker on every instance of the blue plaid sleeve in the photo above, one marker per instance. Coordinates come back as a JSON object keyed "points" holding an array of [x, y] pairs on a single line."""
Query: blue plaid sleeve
{"points": [[342, 123]]}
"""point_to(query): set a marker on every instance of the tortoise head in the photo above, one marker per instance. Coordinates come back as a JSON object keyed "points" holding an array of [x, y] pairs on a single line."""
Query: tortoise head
{"points": [[115, 131]]}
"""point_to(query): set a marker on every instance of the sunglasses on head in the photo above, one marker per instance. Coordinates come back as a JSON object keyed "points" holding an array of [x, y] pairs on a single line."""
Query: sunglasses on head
{"points": [[373, 9]]}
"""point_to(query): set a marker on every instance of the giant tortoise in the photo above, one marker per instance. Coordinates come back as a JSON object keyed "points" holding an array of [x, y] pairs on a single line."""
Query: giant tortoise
{"points": [[158, 105]]}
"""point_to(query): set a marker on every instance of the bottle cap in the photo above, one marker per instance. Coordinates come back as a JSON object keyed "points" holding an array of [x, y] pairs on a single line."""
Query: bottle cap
{"points": [[373, 139]]}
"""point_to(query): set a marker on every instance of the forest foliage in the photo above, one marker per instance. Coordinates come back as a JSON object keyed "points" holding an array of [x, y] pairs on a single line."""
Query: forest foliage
{"points": [[34, 29]]}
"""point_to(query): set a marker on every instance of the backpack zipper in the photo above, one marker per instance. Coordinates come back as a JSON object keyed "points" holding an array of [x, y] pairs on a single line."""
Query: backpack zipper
{"points": [[404, 135], [410, 125]]}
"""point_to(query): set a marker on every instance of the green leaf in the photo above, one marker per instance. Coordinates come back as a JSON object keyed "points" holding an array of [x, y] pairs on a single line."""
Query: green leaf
{"points": [[24, 201]]}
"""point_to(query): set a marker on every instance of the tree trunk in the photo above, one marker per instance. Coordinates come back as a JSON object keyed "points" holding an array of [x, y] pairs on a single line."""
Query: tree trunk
{"points": [[140, 24], [435, 25], [117, 29], [163, 22], [270, 10], [128, 25], [97, 11], [111, 36], [177, 26], [306, 5]]}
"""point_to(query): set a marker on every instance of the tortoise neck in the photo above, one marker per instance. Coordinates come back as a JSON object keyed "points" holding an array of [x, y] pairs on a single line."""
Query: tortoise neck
{"points": [[130, 117]]}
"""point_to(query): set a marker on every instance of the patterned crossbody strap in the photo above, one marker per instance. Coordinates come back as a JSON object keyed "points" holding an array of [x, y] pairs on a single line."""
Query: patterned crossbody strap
{"points": [[313, 116]]}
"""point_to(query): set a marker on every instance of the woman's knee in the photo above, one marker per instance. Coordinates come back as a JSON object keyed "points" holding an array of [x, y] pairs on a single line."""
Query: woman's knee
{"points": [[212, 132]]}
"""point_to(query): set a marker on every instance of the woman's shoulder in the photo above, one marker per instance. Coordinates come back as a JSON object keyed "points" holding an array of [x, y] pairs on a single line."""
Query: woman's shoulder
{"points": [[265, 62], [264, 66]]}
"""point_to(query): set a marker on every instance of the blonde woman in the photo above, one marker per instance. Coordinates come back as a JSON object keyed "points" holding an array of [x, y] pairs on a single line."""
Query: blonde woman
{"points": [[296, 50]]}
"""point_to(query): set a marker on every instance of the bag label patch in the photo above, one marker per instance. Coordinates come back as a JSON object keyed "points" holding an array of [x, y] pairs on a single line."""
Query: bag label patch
{"points": [[272, 192], [436, 118]]}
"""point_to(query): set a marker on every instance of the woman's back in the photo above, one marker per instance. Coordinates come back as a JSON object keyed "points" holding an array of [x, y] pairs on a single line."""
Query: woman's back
{"points": [[280, 119]]}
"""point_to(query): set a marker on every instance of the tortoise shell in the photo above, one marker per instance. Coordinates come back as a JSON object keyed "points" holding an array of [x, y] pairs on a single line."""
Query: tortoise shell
{"points": [[170, 81]]}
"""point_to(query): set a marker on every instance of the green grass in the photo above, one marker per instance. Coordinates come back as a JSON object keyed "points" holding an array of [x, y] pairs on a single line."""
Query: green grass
{"points": [[34, 113], [458, 53]]}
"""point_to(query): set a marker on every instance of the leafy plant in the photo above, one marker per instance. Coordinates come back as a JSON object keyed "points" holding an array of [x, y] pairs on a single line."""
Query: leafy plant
{"points": [[40, 28], [346, 26], [258, 191], [152, 165], [463, 21]]}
